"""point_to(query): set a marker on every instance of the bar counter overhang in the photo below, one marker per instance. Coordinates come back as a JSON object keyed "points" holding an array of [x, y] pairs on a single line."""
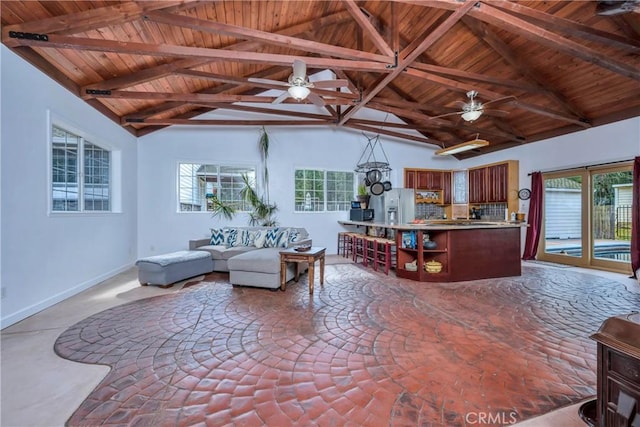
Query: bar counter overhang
{"points": [[467, 249]]}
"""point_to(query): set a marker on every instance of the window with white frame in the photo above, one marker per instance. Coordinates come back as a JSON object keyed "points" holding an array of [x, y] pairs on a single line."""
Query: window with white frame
{"points": [[323, 191], [199, 184], [80, 173]]}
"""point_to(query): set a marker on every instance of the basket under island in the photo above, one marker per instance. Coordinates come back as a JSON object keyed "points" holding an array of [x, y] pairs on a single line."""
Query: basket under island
{"points": [[466, 250]]}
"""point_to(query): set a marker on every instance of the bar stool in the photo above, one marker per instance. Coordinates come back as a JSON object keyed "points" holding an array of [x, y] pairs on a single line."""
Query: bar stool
{"points": [[358, 246], [348, 239], [370, 251], [385, 254], [342, 237]]}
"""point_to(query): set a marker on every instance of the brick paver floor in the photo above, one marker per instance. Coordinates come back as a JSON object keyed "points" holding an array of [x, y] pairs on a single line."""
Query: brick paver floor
{"points": [[364, 349]]}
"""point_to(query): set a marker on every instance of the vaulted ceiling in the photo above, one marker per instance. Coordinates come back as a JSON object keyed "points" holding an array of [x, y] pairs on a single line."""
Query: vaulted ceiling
{"points": [[541, 68]]}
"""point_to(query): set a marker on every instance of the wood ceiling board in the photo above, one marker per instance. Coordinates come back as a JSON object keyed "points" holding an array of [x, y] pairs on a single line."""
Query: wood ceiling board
{"points": [[591, 54]]}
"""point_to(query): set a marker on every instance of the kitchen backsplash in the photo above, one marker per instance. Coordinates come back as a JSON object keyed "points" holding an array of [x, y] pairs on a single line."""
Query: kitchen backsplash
{"points": [[429, 211], [493, 211]]}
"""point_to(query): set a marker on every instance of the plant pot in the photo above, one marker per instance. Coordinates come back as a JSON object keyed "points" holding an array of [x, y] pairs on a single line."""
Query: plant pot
{"points": [[364, 201]]}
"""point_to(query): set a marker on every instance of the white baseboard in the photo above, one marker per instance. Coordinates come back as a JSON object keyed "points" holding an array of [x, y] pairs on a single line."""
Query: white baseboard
{"points": [[54, 299]]}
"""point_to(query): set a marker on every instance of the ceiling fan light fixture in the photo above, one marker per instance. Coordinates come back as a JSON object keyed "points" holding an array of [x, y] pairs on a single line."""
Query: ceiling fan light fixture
{"points": [[472, 115], [465, 146], [298, 92]]}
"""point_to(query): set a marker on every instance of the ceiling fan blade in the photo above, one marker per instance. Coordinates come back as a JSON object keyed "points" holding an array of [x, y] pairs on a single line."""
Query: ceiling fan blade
{"points": [[330, 84], [267, 81], [504, 99], [317, 100], [281, 98], [497, 113], [445, 115], [299, 69]]}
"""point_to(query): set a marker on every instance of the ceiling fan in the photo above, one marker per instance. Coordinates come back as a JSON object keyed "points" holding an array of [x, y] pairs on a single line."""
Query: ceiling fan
{"points": [[473, 109], [299, 85]]}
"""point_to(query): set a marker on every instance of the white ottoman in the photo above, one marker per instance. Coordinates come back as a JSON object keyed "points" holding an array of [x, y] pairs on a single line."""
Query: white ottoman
{"points": [[169, 268]]}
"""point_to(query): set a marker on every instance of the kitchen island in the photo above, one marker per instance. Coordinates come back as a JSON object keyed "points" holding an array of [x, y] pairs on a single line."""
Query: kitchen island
{"points": [[462, 249]]}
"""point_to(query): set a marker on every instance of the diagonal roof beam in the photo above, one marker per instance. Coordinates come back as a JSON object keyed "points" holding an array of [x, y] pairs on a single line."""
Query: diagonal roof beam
{"points": [[494, 42], [406, 61], [571, 28], [264, 37], [390, 133], [368, 28], [92, 19]]}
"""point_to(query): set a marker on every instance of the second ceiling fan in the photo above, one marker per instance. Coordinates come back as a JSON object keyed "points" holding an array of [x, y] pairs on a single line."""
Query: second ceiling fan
{"points": [[473, 109], [299, 86]]}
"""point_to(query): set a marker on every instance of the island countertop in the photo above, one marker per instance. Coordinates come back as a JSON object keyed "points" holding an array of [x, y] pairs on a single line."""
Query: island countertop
{"points": [[453, 224]]}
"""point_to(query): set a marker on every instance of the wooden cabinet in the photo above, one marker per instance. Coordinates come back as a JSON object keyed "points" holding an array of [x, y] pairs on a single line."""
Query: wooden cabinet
{"points": [[464, 254], [429, 180], [446, 187], [495, 183], [409, 178], [618, 399], [478, 185]]}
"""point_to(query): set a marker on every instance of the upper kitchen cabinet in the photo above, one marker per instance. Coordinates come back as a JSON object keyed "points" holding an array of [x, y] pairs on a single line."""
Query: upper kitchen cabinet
{"points": [[409, 178], [495, 183]]}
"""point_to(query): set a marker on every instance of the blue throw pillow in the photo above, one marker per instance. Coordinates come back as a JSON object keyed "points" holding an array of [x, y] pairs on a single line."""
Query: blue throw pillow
{"points": [[232, 237], [271, 238], [282, 239], [294, 235], [218, 237]]}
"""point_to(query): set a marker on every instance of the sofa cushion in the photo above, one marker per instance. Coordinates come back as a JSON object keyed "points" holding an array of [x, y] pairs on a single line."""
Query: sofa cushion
{"points": [[222, 252], [264, 261]]}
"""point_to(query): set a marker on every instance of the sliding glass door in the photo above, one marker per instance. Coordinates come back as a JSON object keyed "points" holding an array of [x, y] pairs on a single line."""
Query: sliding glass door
{"points": [[564, 228], [587, 218]]}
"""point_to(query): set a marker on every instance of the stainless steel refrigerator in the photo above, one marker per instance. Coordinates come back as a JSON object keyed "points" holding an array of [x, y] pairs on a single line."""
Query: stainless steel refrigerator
{"points": [[398, 206]]}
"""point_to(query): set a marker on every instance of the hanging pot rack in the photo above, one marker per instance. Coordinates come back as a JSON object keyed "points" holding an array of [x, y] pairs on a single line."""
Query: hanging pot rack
{"points": [[368, 160]]}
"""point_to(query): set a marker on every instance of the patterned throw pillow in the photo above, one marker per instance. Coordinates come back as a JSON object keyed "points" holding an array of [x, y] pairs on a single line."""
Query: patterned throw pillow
{"points": [[282, 238], [259, 239], [247, 237], [218, 237], [271, 239], [294, 235], [232, 237]]}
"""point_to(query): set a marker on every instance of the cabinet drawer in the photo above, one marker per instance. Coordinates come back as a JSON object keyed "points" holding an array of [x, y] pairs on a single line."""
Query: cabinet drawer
{"points": [[625, 366]]}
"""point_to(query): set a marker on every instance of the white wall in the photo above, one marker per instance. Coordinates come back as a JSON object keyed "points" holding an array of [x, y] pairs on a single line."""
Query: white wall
{"points": [[290, 148], [47, 257]]}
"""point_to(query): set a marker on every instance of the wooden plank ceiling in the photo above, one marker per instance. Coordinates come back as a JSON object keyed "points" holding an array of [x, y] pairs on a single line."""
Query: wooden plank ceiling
{"points": [[552, 67]]}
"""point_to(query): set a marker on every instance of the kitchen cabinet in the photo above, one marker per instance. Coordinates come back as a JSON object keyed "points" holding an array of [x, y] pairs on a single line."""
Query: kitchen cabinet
{"points": [[460, 187], [446, 187], [429, 180], [409, 178], [466, 253], [478, 185], [495, 183]]}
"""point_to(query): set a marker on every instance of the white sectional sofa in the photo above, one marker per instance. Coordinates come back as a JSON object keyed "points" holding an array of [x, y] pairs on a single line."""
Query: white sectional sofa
{"points": [[251, 255]]}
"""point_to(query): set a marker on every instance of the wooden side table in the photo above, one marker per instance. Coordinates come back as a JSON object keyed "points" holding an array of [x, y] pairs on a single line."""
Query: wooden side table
{"points": [[311, 256]]}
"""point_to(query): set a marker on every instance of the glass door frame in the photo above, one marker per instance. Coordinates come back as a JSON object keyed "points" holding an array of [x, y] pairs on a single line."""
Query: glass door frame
{"points": [[587, 258], [585, 230]]}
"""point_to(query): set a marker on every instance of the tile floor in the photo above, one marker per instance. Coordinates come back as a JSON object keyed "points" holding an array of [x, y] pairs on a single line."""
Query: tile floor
{"points": [[39, 388]]}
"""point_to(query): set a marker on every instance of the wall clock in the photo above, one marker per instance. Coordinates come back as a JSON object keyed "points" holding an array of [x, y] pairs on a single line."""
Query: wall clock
{"points": [[524, 194]]}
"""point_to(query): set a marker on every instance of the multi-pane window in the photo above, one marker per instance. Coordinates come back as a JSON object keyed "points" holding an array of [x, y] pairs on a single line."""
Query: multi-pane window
{"points": [[319, 190], [80, 174], [199, 184]]}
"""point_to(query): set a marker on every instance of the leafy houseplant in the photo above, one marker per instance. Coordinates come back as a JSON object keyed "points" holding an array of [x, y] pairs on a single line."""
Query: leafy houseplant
{"points": [[363, 196], [263, 211]]}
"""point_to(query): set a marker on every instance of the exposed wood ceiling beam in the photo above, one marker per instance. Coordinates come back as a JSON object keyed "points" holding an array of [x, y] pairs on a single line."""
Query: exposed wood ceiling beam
{"points": [[165, 50], [260, 110], [570, 28], [205, 97], [406, 61], [494, 42], [92, 19], [224, 122], [390, 133], [368, 29], [494, 16], [266, 38]]}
